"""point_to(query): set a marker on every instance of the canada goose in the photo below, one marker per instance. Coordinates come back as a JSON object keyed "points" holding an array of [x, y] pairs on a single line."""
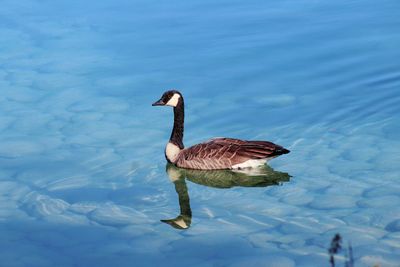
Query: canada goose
{"points": [[217, 153]]}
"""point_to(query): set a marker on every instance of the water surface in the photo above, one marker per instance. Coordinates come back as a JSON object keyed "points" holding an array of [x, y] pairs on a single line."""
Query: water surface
{"points": [[83, 178]]}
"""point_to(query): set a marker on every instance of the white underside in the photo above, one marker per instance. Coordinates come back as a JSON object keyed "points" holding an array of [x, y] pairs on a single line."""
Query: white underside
{"points": [[251, 163]]}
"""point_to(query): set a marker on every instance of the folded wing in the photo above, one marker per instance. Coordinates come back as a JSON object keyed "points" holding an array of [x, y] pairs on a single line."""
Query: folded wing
{"points": [[223, 153]]}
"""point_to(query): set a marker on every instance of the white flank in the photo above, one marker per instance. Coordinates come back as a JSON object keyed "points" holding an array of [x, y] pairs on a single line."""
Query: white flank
{"points": [[251, 163], [172, 151], [173, 102]]}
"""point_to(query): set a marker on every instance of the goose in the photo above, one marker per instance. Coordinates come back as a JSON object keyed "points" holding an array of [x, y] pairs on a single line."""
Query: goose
{"points": [[216, 153]]}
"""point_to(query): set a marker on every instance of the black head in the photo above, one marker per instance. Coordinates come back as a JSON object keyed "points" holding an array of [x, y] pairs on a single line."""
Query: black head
{"points": [[169, 98]]}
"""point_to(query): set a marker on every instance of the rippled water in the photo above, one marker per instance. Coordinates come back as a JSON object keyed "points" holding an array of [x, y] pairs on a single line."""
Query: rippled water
{"points": [[83, 178]]}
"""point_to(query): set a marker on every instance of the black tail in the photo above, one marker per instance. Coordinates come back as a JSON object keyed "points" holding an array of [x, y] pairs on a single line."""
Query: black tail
{"points": [[285, 151], [280, 151]]}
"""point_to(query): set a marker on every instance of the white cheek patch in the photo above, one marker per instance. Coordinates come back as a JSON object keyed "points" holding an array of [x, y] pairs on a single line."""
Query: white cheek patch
{"points": [[173, 102]]}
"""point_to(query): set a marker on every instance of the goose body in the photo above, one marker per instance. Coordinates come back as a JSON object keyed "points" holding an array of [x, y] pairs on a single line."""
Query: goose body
{"points": [[214, 154]]}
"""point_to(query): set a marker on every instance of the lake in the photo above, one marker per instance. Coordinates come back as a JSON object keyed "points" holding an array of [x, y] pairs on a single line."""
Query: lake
{"points": [[83, 178]]}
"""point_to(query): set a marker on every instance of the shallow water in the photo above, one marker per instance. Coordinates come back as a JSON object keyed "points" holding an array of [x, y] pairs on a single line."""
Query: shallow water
{"points": [[83, 178]]}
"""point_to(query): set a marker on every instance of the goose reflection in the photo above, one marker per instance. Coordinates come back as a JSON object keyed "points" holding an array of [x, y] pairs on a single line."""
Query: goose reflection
{"points": [[257, 177]]}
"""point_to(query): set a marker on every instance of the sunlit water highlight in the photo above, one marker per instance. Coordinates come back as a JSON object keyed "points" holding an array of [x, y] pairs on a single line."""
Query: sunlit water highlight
{"points": [[83, 178]]}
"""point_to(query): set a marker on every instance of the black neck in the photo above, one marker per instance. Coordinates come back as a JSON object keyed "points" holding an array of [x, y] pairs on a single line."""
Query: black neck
{"points": [[177, 132]]}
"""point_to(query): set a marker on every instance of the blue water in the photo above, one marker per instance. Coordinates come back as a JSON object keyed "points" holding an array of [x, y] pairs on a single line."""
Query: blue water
{"points": [[83, 178]]}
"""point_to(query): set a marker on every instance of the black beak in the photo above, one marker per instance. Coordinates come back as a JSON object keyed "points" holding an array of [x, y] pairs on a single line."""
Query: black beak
{"points": [[158, 103]]}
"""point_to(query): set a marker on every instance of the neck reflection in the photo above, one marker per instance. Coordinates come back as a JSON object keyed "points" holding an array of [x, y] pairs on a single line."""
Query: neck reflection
{"points": [[256, 177], [184, 219]]}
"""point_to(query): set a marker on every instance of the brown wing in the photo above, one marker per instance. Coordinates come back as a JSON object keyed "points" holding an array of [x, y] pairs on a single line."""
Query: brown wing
{"points": [[223, 153]]}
